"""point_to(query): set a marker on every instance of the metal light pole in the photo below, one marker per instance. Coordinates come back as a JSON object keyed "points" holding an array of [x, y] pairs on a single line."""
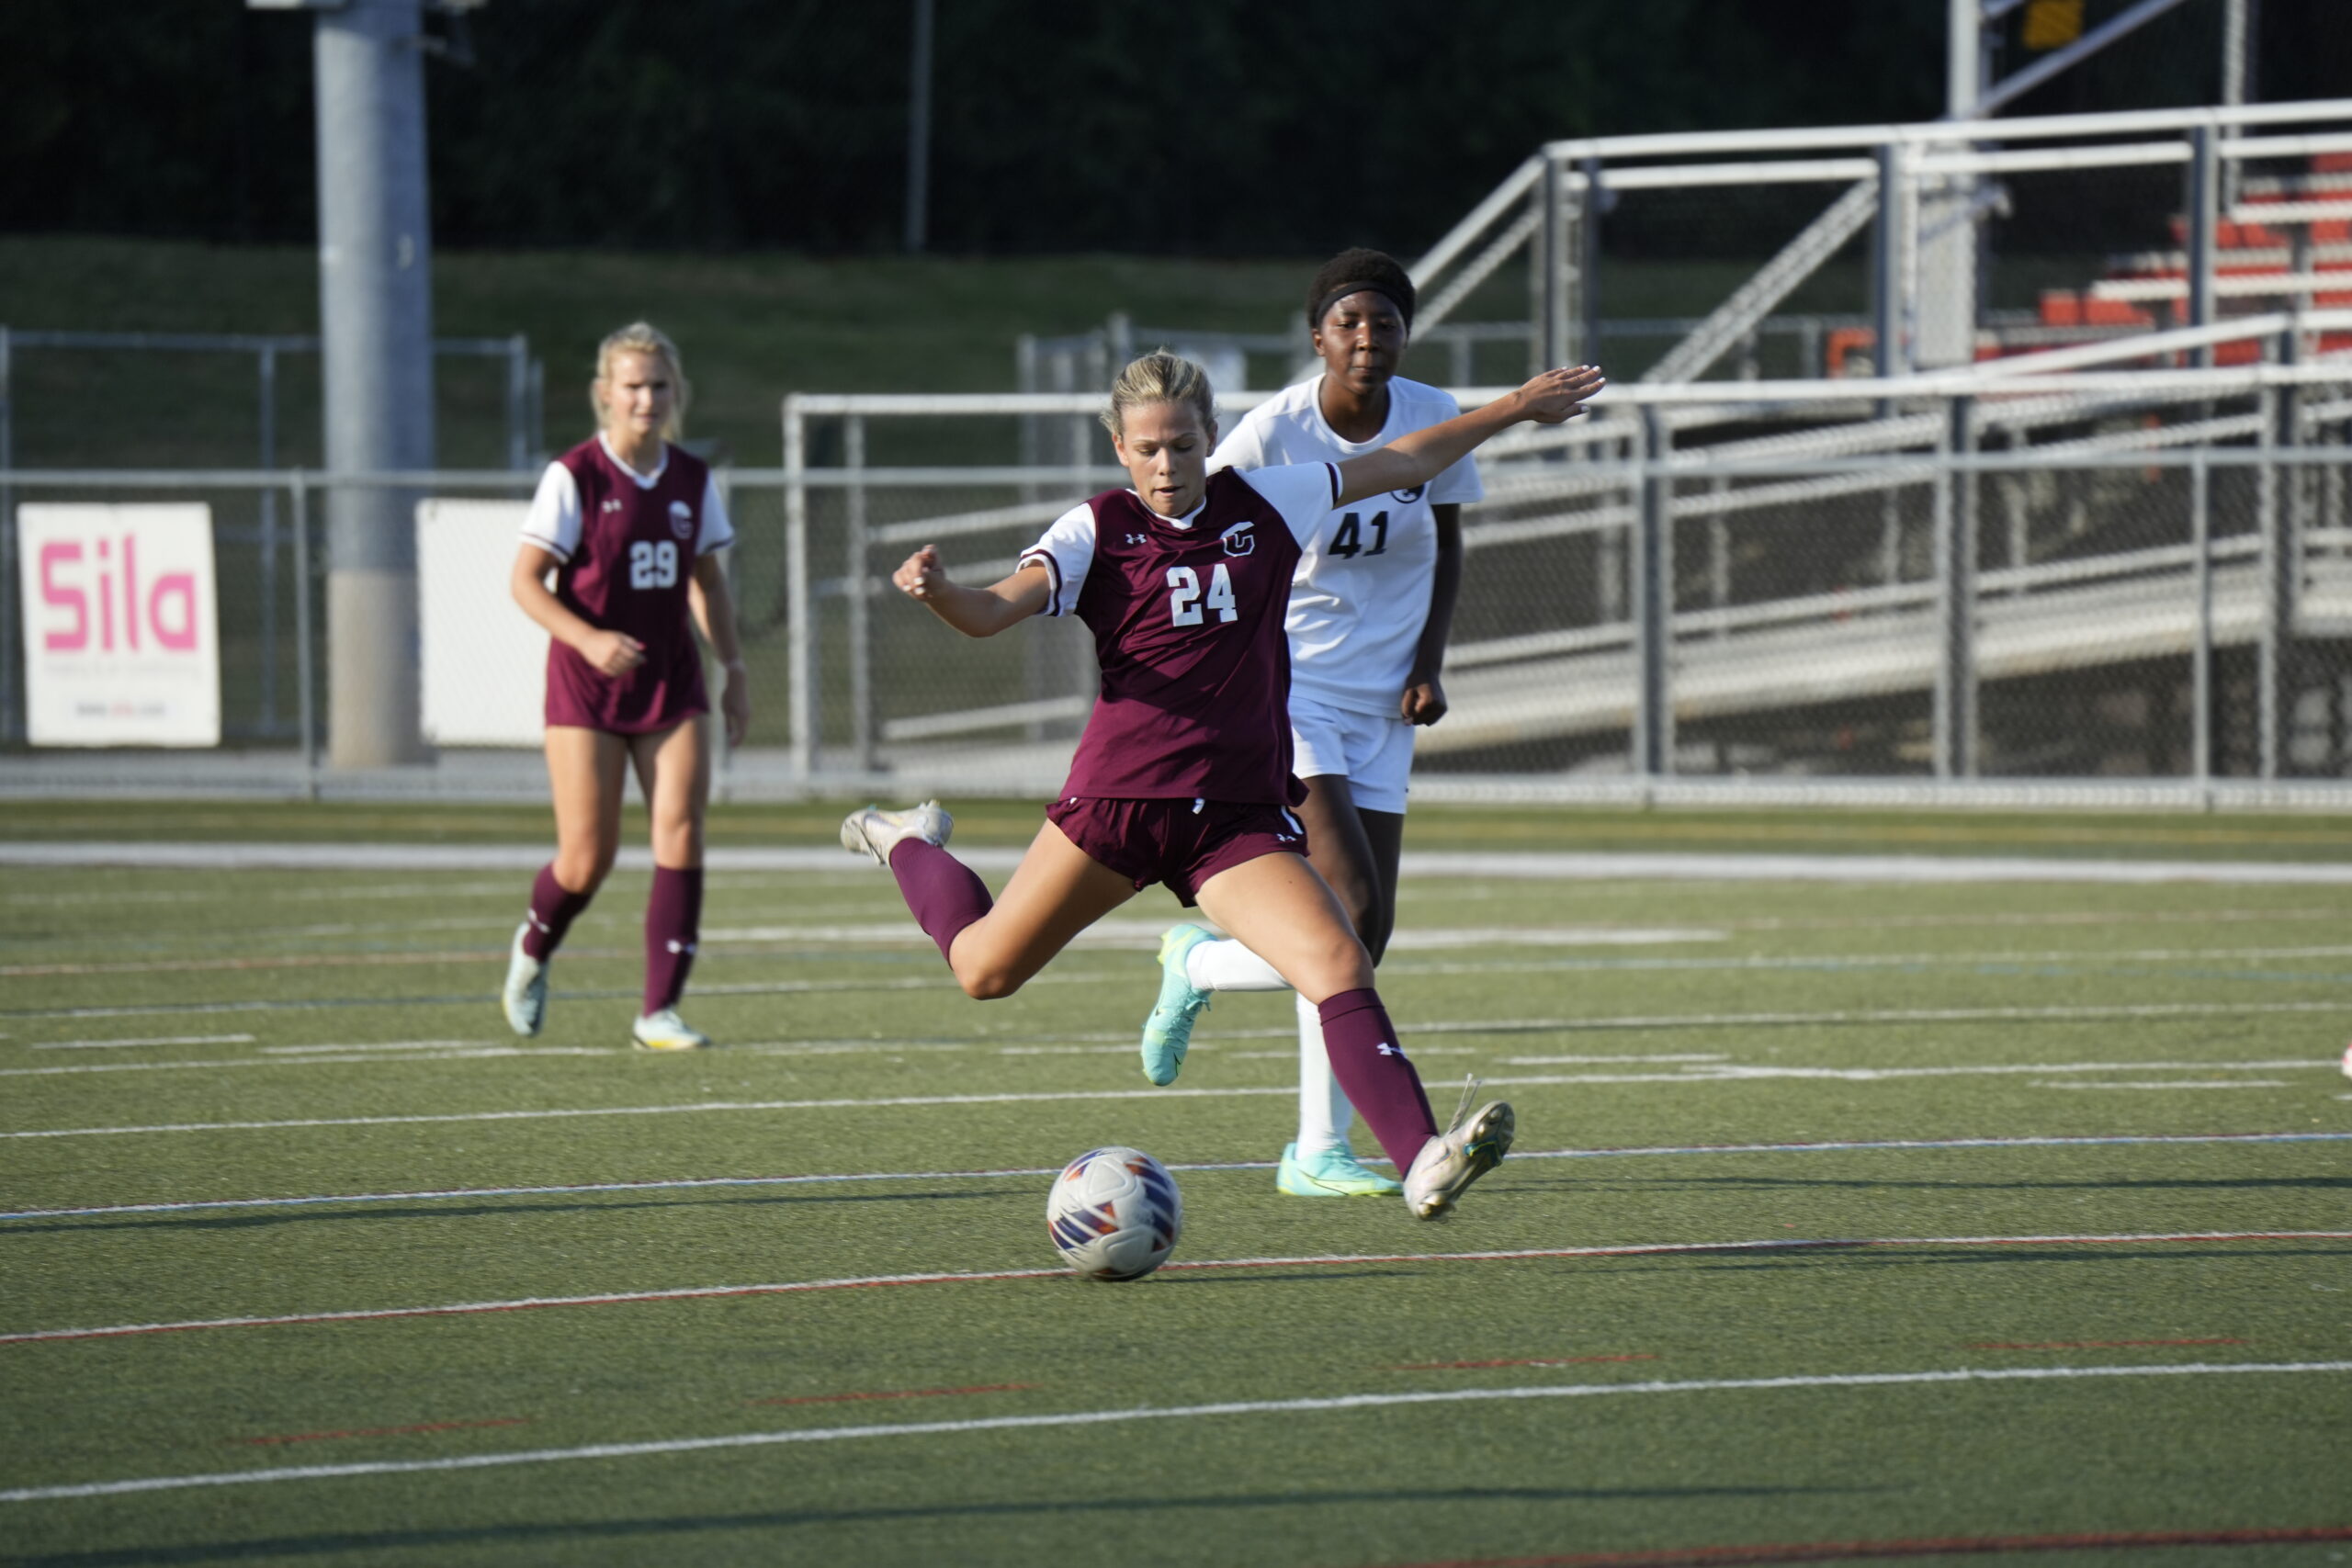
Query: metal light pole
{"points": [[919, 130], [375, 336]]}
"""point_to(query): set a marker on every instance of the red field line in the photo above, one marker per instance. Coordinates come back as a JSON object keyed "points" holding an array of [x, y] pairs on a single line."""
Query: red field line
{"points": [[892, 1393], [387, 1431], [2093, 1344], [1943, 1546], [1542, 1361]]}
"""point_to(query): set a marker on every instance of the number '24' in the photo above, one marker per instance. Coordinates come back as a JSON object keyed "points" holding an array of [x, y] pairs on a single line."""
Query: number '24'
{"points": [[1186, 603]]}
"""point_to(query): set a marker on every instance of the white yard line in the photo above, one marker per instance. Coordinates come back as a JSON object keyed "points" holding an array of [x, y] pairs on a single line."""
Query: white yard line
{"points": [[1290, 1407], [2236, 1083], [1692, 1073], [468, 1053], [701, 1107], [1518, 1158], [1311, 1260], [1523, 864], [146, 1040]]}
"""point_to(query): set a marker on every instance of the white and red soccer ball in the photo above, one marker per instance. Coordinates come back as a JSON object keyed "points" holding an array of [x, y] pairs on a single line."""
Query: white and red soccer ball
{"points": [[1115, 1213]]}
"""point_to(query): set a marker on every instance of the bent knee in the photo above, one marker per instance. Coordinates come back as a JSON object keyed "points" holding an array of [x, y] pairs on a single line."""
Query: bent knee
{"points": [[584, 873], [988, 985]]}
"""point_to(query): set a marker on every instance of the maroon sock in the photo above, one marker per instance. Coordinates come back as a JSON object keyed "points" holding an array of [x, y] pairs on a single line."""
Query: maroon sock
{"points": [[553, 908], [945, 894], [1381, 1083], [673, 922]]}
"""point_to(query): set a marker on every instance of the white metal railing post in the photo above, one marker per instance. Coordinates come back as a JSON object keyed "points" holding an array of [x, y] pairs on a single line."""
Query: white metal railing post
{"points": [[799, 602], [1588, 264], [1548, 263], [2201, 673], [267, 363], [2204, 215], [7, 549], [519, 401], [1894, 282], [1956, 678], [855, 589], [305, 671], [1653, 604], [2273, 632]]}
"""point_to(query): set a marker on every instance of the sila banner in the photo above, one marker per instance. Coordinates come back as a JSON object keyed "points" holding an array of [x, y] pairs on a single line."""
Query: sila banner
{"points": [[123, 645]]}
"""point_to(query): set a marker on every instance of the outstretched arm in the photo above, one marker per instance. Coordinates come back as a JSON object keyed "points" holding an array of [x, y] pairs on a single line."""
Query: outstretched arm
{"points": [[974, 612], [1553, 397]]}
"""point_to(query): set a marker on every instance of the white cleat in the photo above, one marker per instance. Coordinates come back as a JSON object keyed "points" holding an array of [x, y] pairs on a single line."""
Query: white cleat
{"points": [[875, 832], [665, 1030], [525, 997], [1472, 1145]]}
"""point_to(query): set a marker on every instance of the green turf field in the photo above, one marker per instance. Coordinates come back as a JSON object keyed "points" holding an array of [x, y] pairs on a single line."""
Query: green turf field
{"points": [[1934, 1216]]}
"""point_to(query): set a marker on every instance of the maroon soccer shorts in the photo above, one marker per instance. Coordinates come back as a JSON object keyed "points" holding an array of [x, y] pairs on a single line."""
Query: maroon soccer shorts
{"points": [[1179, 842]]}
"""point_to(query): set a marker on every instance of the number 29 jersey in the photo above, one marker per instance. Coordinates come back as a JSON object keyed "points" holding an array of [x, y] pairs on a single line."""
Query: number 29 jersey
{"points": [[626, 543], [1362, 593], [1187, 616]]}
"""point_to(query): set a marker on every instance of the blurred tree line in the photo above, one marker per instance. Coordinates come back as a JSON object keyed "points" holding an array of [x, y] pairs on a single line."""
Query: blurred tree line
{"points": [[1214, 127]]}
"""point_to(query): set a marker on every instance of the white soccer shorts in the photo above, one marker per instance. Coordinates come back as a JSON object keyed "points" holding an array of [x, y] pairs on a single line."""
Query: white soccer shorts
{"points": [[1374, 752]]}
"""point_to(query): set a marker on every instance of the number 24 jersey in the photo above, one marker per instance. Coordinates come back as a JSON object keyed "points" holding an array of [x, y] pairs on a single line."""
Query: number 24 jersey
{"points": [[1187, 616]]}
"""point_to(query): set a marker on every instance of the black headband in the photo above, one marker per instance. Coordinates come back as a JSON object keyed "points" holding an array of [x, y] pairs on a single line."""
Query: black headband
{"points": [[1361, 287]]}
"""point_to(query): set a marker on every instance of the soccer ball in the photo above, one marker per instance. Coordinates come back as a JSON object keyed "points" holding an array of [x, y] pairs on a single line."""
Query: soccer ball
{"points": [[1115, 1213]]}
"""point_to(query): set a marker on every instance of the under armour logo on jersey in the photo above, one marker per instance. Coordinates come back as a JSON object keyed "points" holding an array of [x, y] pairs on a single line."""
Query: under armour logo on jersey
{"points": [[1238, 540], [1138, 538], [614, 505], [685, 947], [1388, 1050]]}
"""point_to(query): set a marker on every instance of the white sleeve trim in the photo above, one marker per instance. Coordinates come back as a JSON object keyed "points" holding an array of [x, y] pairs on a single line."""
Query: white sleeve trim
{"points": [[1066, 552], [718, 528], [553, 521]]}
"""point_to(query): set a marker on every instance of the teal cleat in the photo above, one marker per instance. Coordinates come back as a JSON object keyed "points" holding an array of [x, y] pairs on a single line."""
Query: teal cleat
{"points": [[1334, 1173], [1168, 1032]]}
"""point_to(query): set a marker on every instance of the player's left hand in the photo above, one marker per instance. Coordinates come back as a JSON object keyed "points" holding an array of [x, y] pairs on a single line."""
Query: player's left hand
{"points": [[1424, 701], [735, 704], [1558, 396]]}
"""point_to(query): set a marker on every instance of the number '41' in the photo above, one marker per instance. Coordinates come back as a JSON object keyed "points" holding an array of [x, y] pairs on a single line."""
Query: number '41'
{"points": [[1349, 539]]}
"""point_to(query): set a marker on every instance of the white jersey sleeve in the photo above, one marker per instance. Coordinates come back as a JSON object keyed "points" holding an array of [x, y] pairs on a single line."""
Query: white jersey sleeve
{"points": [[1245, 449], [717, 529], [554, 521], [1302, 493], [1066, 550]]}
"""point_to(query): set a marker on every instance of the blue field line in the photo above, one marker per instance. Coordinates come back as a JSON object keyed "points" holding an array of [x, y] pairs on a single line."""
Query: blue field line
{"points": [[690, 1183]]}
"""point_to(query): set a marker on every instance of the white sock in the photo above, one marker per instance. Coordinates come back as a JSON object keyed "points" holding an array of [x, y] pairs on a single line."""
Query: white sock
{"points": [[1324, 1113], [1227, 965]]}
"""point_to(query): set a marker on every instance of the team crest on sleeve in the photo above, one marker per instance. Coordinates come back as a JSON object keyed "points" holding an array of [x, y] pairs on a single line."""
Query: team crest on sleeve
{"points": [[1238, 540], [682, 519]]}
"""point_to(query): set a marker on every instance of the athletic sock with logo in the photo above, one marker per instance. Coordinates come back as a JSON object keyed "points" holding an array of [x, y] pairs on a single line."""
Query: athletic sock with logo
{"points": [[945, 894], [553, 908], [1324, 1112], [673, 926], [1371, 1067]]}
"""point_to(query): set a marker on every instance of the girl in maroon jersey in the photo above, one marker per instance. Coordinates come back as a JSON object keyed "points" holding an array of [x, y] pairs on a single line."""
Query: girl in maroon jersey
{"points": [[630, 526], [1184, 773]]}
